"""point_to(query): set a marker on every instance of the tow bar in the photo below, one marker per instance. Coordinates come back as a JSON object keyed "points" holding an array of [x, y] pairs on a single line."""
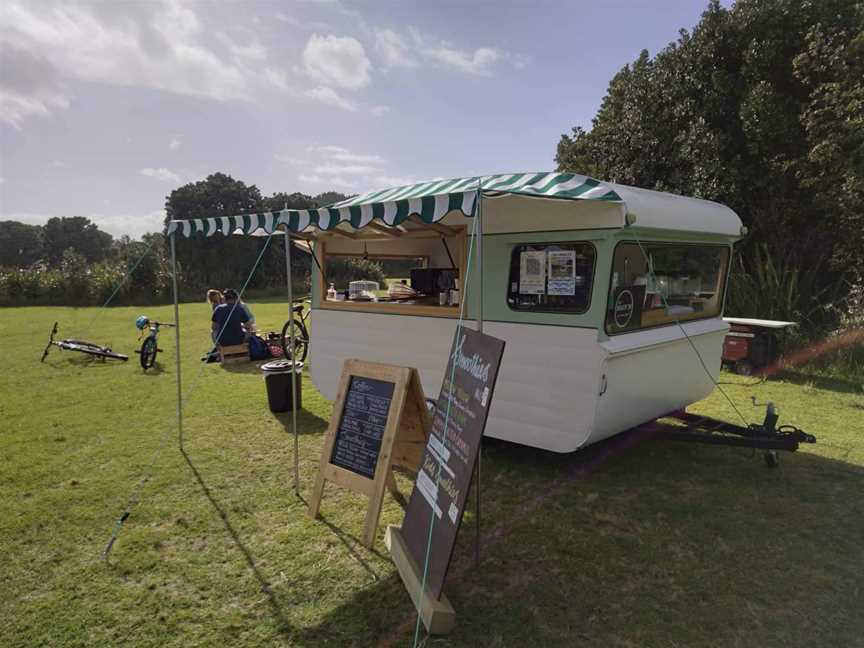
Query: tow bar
{"points": [[766, 436]]}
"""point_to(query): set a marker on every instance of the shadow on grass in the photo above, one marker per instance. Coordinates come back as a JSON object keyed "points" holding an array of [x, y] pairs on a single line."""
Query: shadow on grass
{"points": [[307, 422], [630, 471]]}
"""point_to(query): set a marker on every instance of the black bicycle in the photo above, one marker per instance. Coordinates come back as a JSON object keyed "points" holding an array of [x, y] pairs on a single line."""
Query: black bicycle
{"points": [[81, 346], [301, 333], [149, 348]]}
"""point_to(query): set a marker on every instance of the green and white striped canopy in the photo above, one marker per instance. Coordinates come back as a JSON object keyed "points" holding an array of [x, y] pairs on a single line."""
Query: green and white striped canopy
{"points": [[430, 201]]}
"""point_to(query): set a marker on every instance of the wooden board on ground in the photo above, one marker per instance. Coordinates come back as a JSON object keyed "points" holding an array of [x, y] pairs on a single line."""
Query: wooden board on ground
{"points": [[379, 421], [233, 353]]}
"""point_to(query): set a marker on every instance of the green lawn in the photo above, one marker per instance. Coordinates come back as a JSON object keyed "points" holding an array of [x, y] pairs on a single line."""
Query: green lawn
{"points": [[651, 544]]}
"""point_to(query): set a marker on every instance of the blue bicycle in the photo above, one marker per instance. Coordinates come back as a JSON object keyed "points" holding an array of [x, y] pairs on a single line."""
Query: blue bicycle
{"points": [[149, 348]]}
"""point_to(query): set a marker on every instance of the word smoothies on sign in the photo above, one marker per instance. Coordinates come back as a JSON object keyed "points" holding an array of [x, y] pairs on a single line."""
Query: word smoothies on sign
{"points": [[439, 494]]}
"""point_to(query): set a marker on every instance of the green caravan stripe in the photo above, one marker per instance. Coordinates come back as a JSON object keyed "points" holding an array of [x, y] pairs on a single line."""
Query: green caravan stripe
{"points": [[575, 192], [378, 211], [209, 226], [610, 196], [455, 201], [193, 228], [314, 218], [355, 216], [561, 177], [427, 208], [401, 212], [334, 217], [502, 181], [535, 178]]}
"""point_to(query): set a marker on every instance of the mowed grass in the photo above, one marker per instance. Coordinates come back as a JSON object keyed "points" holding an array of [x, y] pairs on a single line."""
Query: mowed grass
{"points": [[636, 542]]}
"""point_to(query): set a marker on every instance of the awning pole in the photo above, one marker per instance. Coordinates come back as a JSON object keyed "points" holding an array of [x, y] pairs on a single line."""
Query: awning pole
{"points": [[177, 341], [479, 330], [293, 348]]}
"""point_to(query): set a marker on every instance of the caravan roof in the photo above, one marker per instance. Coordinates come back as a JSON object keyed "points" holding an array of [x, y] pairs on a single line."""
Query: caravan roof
{"points": [[571, 201]]}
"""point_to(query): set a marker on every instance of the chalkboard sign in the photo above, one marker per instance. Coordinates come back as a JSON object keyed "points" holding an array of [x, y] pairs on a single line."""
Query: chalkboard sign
{"points": [[361, 426], [448, 461], [379, 420]]}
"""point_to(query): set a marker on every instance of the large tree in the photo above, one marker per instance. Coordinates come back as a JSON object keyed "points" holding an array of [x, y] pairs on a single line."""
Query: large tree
{"points": [[76, 233], [760, 107], [219, 262]]}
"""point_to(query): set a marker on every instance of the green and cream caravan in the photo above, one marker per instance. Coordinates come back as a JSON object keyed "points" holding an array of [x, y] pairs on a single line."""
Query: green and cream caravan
{"points": [[595, 287]]}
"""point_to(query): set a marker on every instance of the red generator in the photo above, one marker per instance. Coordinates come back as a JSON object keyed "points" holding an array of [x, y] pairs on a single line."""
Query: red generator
{"points": [[751, 344]]}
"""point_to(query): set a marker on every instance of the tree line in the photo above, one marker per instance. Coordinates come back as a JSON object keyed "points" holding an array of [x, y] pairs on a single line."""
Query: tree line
{"points": [[70, 261]]}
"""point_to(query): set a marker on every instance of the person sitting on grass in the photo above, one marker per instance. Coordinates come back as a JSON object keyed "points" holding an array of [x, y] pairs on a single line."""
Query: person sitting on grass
{"points": [[229, 320], [214, 298]]}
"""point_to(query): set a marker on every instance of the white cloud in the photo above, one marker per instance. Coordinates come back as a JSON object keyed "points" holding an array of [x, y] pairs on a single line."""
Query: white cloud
{"points": [[393, 181], [379, 111], [477, 62], [394, 49], [337, 61], [331, 97], [158, 45], [341, 154], [162, 174], [411, 48], [114, 224], [175, 143], [328, 182]]}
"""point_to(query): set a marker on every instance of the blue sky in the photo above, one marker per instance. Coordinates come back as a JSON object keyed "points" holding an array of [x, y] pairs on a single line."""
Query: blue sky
{"points": [[105, 108]]}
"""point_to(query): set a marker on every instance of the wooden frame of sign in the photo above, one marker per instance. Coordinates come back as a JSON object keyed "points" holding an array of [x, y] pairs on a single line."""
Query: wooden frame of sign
{"points": [[379, 420]]}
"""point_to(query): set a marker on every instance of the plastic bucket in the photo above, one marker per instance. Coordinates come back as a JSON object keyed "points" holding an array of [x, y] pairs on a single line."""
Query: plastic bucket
{"points": [[277, 377]]}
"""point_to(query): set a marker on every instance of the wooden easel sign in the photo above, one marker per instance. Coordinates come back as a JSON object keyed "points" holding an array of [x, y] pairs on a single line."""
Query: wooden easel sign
{"points": [[379, 420]]}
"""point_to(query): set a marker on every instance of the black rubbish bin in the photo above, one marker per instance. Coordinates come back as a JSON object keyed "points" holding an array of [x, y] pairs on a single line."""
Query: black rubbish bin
{"points": [[277, 376]]}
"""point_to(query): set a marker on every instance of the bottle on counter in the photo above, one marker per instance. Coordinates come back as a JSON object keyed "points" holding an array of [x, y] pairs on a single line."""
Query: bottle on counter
{"points": [[331, 292]]}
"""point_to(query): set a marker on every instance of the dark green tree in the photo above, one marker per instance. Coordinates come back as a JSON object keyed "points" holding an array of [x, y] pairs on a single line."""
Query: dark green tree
{"points": [[760, 107], [20, 244], [76, 233]]}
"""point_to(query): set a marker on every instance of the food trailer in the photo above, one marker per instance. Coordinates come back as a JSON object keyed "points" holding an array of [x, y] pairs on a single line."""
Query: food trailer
{"points": [[610, 298]]}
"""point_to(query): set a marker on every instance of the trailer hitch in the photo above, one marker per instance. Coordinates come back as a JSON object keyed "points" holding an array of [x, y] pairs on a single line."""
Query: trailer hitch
{"points": [[766, 436]]}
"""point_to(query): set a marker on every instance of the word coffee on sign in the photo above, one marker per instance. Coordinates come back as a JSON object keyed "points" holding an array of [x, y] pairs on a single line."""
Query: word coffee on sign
{"points": [[358, 437]]}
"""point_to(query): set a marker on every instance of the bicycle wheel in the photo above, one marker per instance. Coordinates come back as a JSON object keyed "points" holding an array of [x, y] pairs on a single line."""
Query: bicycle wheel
{"points": [[301, 340], [148, 353], [91, 349]]}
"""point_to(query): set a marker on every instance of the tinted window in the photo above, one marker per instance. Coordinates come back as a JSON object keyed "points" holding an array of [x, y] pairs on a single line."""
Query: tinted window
{"points": [[551, 277], [661, 283]]}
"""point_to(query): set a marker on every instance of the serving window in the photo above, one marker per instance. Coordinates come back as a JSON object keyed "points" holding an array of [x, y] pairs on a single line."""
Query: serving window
{"points": [[551, 277], [411, 271], [662, 283]]}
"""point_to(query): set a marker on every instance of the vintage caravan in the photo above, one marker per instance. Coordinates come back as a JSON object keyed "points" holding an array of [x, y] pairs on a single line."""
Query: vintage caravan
{"points": [[610, 298]]}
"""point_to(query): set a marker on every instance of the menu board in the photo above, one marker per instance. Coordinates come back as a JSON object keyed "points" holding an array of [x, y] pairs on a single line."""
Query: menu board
{"points": [[361, 426], [444, 477]]}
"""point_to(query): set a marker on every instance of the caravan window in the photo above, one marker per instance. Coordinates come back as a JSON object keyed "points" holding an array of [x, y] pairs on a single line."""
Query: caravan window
{"points": [[551, 277], [661, 283]]}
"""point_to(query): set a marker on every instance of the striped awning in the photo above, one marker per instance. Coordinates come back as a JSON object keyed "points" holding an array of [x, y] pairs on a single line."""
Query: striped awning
{"points": [[430, 201]]}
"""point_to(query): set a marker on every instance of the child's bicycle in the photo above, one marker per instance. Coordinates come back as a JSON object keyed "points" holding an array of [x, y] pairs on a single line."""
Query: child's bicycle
{"points": [[83, 347], [149, 348], [301, 333]]}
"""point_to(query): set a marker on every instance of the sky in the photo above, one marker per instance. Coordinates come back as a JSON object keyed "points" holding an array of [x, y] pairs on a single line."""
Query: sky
{"points": [[107, 107]]}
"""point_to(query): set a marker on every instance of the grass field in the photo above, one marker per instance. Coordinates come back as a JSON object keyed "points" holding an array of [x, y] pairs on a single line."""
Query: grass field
{"points": [[626, 544]]}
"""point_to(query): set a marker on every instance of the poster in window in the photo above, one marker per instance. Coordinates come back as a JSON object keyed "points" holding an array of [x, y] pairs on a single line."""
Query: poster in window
{"points": [[532, 272], [562, 272]]}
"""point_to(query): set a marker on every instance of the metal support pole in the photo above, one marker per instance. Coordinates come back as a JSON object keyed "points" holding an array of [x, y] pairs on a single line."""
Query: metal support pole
{"points": [[479, 330], [294, 398], [177, 341]]}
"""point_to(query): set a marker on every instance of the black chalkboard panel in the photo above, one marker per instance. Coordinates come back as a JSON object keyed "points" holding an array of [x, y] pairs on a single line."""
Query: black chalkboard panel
{"points": [[437, 502], [364, 417]]}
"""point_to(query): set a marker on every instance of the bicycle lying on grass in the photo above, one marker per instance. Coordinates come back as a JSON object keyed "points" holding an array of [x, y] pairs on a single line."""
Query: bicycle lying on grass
{"points": [[81, 346], [149, 348], [301, 333]]}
